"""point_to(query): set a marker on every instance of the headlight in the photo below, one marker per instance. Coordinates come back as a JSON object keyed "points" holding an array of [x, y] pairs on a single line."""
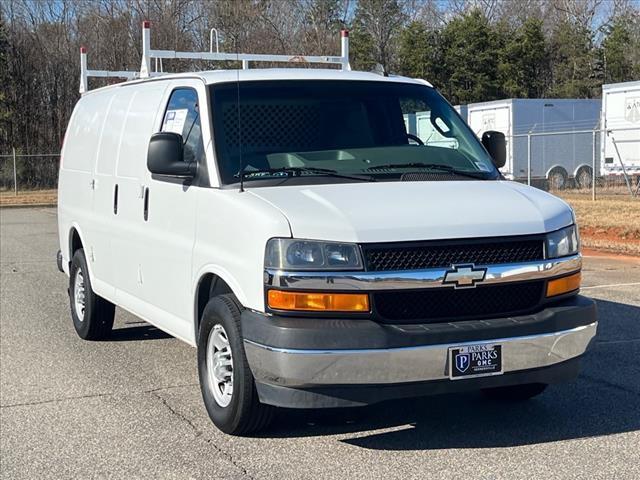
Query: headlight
{"points": [[292, 254], [563, 242]]}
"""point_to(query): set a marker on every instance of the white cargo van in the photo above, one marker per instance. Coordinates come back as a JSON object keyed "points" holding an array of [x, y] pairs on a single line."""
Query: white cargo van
{"points": [[285, 223]]}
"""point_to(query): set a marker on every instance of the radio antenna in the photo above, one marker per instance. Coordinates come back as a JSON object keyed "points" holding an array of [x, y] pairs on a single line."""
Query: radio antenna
{"points": [[239, 131], [237, 44]]}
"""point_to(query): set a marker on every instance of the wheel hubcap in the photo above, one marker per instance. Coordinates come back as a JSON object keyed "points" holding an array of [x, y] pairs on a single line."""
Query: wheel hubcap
{"points": [[220, 366], [79, 295]]}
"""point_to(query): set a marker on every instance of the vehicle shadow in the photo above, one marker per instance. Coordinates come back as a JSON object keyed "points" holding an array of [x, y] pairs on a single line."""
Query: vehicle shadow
{"points": [[142, 332], [604, 400]]}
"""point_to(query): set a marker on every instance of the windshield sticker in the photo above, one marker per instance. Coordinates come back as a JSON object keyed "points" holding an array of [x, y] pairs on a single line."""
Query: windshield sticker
{"points": [[174, 120]]}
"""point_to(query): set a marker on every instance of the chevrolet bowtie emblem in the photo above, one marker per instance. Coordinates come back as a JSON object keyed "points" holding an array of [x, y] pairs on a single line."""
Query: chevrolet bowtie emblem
{"points": [[464, 276]]}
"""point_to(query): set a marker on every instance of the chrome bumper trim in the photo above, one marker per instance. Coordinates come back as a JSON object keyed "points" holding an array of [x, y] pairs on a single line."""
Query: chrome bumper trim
{"points": [[299, 368], [411, 279]]}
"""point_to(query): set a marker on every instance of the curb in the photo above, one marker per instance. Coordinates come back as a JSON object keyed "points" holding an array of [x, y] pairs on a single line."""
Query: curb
{"points": [[28, 205]]}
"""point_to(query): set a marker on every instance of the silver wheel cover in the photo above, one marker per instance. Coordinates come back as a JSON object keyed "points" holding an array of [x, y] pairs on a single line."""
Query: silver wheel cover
{"points": [[220, 366], [79, 294]]}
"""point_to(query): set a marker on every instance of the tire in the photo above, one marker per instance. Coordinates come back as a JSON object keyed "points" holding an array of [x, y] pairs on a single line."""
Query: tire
{"points": [[557, 179], [515, 393], [92, 315], [584, 177], [220, 337]]}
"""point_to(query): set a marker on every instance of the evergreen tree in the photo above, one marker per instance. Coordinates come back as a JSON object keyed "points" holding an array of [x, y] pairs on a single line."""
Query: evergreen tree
{"points": [[469, 45], [419, 53], [573, 64], [524, 66], [617, 48]]}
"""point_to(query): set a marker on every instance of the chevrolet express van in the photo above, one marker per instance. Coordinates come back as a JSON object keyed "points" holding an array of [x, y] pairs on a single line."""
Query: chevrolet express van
{"points": [[287, 224]]}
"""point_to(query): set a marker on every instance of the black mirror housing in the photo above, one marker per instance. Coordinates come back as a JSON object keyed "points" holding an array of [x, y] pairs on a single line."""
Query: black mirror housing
{"points": [[496, 145], [165, 156]]}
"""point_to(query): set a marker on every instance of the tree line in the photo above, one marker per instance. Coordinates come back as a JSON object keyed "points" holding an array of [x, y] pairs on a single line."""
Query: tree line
{"points": [[471, 50]]}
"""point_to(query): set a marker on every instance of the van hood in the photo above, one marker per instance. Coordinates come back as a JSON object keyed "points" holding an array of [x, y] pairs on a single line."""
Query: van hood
{"points": [[405, 211]]}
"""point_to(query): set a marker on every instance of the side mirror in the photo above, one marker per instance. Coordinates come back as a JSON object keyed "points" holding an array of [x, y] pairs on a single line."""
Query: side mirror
{"points": [[496, 145], [165, 156]]}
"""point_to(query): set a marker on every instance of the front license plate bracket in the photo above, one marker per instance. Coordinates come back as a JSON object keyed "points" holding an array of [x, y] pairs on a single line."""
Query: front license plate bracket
{"points": [[472, 361]]}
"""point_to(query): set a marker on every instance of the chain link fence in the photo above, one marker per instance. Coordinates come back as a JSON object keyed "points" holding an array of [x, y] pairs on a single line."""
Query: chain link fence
{"points": [[585, 162], [20, 173], [588, 162]]}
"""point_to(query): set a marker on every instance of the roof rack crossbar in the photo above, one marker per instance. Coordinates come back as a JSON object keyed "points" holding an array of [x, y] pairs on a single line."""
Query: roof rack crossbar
{"points": [[148, 53]]}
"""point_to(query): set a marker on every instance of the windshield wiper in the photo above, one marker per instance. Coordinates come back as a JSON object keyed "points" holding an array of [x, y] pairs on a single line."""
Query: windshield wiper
{"points": [[432, 166], [298, 171]]}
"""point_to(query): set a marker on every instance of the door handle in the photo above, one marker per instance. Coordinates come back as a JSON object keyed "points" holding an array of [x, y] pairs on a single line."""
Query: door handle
{"points": [[115, 199], [146, 204]]}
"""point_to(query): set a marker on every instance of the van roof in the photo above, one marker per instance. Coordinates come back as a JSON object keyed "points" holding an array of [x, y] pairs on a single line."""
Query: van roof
{"points": [[211, 77]]}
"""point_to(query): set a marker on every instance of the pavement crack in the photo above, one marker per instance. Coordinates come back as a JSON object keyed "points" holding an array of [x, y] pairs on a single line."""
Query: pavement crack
{"points": [[176, 413], [231, 459], [57, 400], [94, 395], [226, 455]]}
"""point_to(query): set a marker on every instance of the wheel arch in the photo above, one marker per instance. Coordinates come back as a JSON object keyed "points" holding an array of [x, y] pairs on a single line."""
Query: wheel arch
{"points": [[211, 283], [580, 167], [554, 167], [76, 241]]}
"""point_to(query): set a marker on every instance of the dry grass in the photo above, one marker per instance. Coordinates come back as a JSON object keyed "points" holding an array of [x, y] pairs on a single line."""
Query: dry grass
{"points": [[29, 197], [611, 223]]}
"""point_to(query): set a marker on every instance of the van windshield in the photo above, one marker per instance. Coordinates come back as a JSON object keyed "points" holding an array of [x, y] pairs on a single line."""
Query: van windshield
{"points": [[359, 130]]}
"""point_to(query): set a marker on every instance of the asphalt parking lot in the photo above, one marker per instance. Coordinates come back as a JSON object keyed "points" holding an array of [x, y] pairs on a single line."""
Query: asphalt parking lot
{"points": [[130, 407]]}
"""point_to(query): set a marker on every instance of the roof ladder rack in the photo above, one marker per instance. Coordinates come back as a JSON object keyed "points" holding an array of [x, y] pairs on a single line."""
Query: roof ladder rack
{"points": [[148, 53], [85, 73]]}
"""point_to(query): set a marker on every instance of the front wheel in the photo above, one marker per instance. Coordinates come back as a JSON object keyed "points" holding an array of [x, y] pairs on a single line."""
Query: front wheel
{"points": [[515, 393], [227, 384]]}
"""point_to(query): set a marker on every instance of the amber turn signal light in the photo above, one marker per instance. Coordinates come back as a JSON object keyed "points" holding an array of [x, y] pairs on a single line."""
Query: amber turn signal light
{"points": [[564, 284], [318, 302]]}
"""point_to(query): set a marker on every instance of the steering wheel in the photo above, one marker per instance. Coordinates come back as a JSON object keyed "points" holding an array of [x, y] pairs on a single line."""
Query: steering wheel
{"points": [[415, 138]]}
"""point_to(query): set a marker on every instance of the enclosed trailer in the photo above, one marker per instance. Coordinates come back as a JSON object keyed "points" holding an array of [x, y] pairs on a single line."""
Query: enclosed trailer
{"points": [[620, 138], [463, 111], [557, 137]]}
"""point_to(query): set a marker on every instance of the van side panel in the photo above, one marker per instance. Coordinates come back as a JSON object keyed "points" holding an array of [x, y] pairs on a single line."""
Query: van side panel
{"points": [[76, 180], [232, 229], [127, 237], [104, 197]]}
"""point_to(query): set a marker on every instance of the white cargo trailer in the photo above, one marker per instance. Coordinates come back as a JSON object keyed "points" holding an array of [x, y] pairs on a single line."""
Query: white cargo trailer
{"points": [[558, 134], [620, 122], [463, 111]]}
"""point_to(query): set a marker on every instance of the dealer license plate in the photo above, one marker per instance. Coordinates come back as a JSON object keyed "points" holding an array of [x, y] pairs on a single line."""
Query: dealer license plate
{"points": [[475, 361]]}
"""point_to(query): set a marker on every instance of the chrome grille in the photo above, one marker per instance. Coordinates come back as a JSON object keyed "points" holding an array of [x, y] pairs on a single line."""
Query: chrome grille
{"points": [[423, 255]]}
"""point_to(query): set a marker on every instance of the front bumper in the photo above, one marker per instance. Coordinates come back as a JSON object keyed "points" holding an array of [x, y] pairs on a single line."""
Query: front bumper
{"points": [[293, 358]]}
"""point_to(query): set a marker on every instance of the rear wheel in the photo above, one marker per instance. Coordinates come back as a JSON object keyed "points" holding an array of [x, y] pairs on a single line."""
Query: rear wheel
{"points": [[584, 177], [515, 393], [227, 384], [557, 178], [92, 315]]}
